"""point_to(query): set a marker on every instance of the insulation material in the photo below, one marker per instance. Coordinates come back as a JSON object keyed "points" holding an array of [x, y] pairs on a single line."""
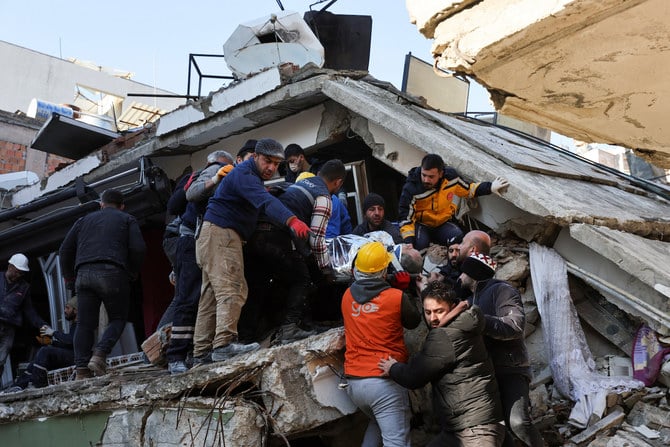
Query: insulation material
{"points": [[342, 251], [571, 362]]}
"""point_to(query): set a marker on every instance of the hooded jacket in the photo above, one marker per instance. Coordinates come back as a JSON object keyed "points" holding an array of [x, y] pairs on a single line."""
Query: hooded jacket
{"points": [[433, 207], [455, 360], [374, 315]]}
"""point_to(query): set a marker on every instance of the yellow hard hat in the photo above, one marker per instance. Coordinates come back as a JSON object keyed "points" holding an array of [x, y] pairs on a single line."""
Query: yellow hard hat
{"points": [[304, 175], [372, 257]]}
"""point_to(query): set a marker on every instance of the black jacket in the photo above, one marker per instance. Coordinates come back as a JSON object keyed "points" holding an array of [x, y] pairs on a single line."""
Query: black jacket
{"points": [[64, 340], [108, 235], [362, 229], [454, 359], [505, 322], [15, 303]]}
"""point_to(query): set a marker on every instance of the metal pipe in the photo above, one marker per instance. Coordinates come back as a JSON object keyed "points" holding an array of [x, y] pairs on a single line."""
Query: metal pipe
{"points": [[113, 177]]}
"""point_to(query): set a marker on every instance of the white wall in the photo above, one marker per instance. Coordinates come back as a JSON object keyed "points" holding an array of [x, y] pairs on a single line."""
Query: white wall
{"points": [[27, 74]]}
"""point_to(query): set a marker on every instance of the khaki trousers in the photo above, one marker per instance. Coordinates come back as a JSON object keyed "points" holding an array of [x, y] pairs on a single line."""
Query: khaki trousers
{"points": [[224, 289]]}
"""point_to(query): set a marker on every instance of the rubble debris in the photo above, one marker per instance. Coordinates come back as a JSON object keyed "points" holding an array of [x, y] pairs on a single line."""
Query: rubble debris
{"points": [[613, 419]]}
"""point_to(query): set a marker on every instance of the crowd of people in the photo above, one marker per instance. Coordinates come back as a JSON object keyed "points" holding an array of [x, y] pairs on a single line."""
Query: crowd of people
{"points": [[232, 241]]}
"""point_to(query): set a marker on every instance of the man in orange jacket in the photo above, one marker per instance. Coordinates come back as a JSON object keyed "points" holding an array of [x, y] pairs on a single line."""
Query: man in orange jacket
{"points": [[374, 315]]}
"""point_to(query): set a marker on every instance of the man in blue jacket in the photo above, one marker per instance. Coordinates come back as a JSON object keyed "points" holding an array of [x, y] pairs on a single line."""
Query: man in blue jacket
{"points": [[15, 304], [229, 221]]}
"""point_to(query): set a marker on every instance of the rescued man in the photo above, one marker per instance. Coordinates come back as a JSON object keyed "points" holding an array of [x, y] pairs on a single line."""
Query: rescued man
{"points": [[375, 218]]}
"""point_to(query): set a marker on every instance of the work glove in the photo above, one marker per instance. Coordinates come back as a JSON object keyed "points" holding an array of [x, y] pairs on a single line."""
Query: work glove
{"points": [[44, 340], [499, 186], [400, 280], [221, 173], [410, 240], [299, 228], [46, 330]]}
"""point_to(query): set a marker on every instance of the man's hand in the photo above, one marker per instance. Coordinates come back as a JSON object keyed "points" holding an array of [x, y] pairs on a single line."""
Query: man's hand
{"points": [[221, 173], [299, 228], [400, 280], [46, 330], [499, 186], [386, 364]]}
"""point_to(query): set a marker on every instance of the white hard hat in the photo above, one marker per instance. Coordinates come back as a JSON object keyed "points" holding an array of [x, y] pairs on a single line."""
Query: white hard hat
{"points": [[20, 261]]}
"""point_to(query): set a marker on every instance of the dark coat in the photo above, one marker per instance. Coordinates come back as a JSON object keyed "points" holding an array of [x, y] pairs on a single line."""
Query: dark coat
{"points": [[454, 359], [505, 322], [109, 235], [15, 303], [239, 199], [363, 228]]}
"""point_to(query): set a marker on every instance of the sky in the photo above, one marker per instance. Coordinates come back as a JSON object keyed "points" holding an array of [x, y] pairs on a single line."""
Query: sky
{"points": [[153, 39]]}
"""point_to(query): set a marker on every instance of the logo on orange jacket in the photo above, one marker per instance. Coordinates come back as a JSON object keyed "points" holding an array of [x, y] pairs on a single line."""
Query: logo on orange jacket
{"points": [[366, 308]]}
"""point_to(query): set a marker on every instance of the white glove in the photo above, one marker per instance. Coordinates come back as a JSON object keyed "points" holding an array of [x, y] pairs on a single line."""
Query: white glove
{"points": [[46, 330], [499, 186]]}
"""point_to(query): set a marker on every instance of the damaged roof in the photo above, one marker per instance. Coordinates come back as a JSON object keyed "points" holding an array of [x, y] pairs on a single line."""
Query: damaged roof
{"points": [[553, 195]]}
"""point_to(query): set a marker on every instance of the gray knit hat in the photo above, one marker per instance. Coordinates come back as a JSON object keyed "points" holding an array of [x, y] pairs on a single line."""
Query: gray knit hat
{"points": [[269, 147]]}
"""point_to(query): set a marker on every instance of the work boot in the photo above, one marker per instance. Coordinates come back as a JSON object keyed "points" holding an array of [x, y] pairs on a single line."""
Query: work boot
{"points": [[177, 367], [83, 373], [98, 363], [288, 333], [231, 350], [202, 359]]}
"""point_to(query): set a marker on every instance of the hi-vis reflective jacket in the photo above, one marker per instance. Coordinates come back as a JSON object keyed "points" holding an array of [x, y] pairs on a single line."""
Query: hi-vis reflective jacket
{"points": [[433, 207]]}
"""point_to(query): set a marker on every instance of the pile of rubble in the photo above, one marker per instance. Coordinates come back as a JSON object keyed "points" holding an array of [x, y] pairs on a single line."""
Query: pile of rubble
{"points": [[633, 418]]}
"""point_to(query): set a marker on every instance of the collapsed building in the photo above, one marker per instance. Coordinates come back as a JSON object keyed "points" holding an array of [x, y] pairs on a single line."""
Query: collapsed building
{"points": [[609, 231]]}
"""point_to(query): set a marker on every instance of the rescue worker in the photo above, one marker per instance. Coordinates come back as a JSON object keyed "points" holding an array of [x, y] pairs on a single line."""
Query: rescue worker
{"points": [[245, 152], [57, 352], [188, 276], [426, 205], [374, 316], [455, 361], [296, 161], [231, 216], [103, 251], [504, 330], [15, 304], [273, 251]]}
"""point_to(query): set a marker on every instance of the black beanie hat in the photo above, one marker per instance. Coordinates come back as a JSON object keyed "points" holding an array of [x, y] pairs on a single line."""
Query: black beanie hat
{"points": [[479, 267], [249, 146], [373, 199]]}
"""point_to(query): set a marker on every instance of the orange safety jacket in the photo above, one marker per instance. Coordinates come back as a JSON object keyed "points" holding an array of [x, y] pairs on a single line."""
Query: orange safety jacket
{"points": [[372, 331]]}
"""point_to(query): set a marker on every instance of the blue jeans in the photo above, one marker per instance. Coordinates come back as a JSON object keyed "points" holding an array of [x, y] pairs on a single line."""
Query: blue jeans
{"points": [[98, 284], [438, 235], [387, 405]]}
